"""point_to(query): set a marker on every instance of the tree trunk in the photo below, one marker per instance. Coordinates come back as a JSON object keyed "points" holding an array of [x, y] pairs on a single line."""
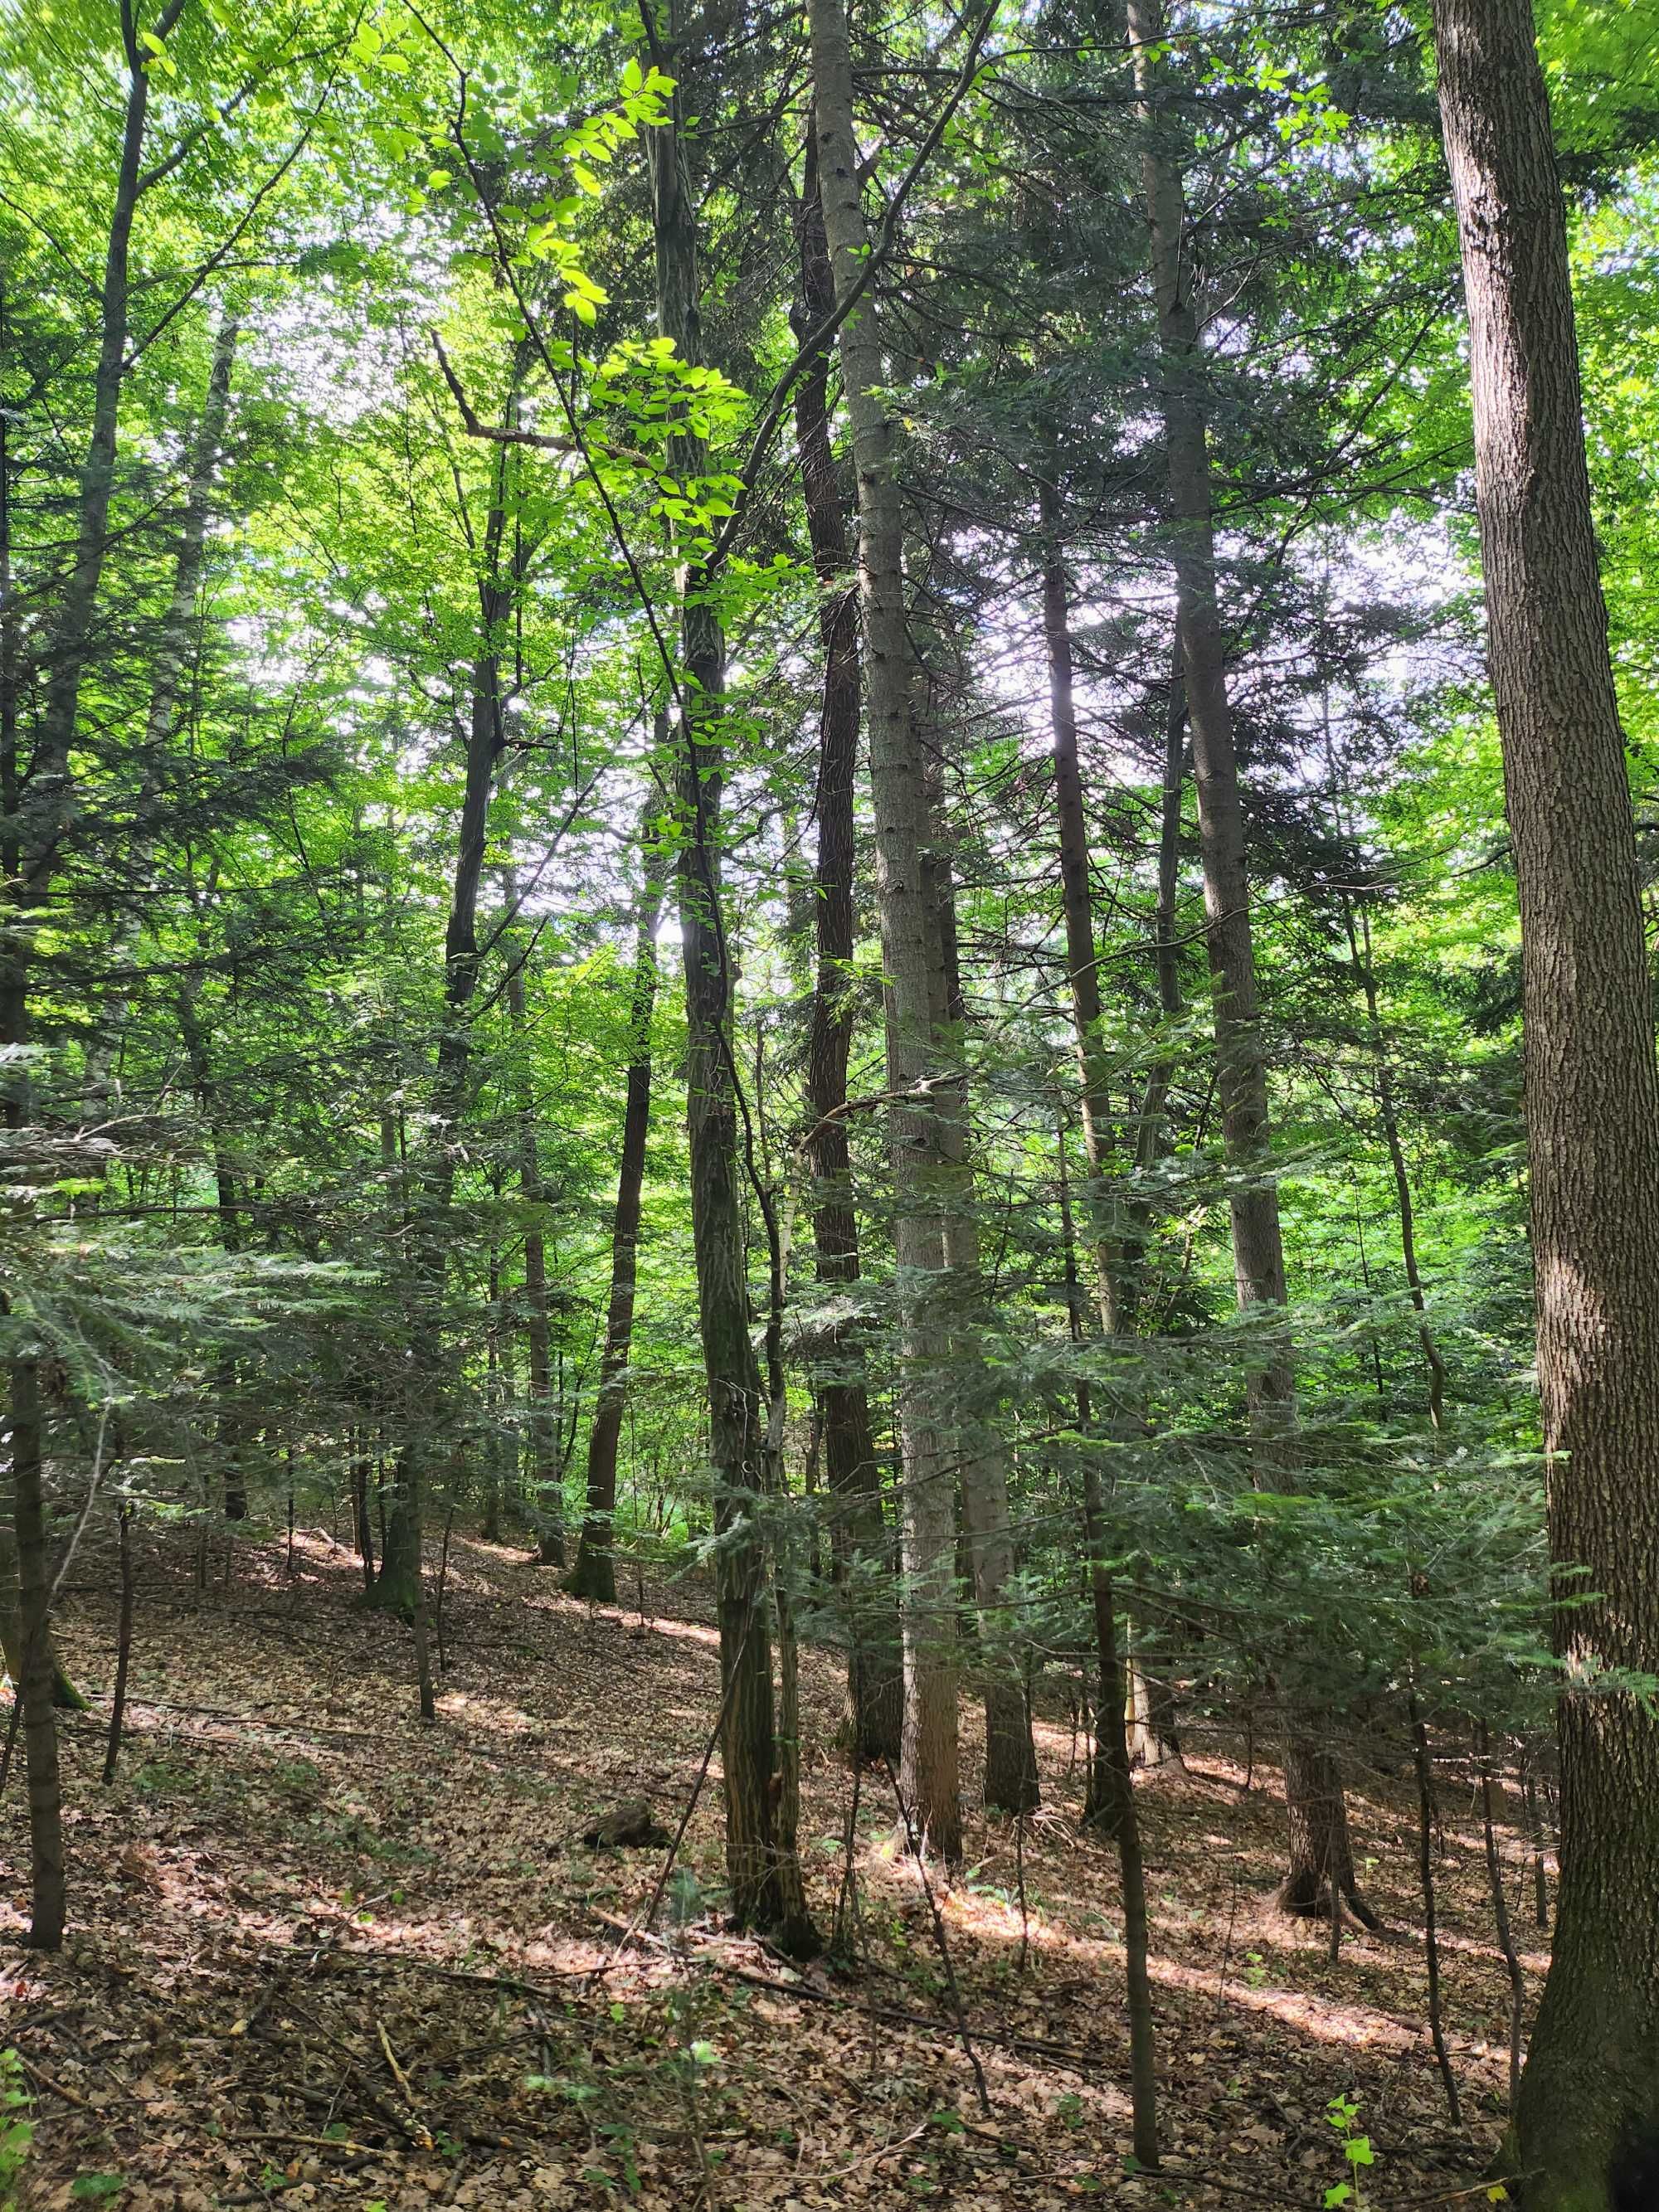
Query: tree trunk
{"points": [[35, 827], [1109, 1800], [231, 1423], [1241, 1061], [858, 1535], [916, 1053], [1011, 1770], [594, 1575], [546, 1470], [737, 1423], [1320, 1878], [1120, 1262], [1587, 2115], [430, 1190], [34, 1687]]}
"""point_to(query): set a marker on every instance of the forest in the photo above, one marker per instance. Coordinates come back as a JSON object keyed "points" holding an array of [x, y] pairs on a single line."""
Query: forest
{"points": [[829, 1119]]}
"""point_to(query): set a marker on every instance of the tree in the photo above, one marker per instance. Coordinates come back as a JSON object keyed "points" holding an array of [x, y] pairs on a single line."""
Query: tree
{"points": [[1586, 2117]]}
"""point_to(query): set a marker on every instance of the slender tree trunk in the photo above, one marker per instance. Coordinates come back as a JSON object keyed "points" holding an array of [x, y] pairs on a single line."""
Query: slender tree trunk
{"points": [[1110, 1802], [489, 1471], [1588, 2114], [987, 1544], [1500, 1902], [546, 1472], [1241, 1061], [595, 1575], [232, 1426], [361, 1521], [429, 1190], [858, 1535], [1424, 1764], [1120, 1263], [737, 1423], [39, 1725], [118, 1705], [1077, 901], [916, 1053]]}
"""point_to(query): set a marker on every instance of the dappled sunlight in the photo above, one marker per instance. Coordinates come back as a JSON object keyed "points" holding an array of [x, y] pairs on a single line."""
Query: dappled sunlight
{"points": [[433, 1883]]}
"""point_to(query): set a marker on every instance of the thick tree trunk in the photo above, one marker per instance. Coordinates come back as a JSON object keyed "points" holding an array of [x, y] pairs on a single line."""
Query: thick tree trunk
{"points": [[594, 1575], [762, 1894], [916, 1053], [1587, 2115], [1321, 1851], [858, 1534]]}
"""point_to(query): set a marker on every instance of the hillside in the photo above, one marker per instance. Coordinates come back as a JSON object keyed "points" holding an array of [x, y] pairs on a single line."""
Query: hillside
{"points": [[320, 1955]]}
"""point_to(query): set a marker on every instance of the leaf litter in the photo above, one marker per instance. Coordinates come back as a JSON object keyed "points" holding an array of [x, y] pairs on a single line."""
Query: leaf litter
{"points": [[322, 1956]]}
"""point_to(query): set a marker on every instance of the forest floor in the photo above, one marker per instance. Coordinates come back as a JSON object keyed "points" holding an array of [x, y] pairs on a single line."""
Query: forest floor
{"points": [[320, 1955]]}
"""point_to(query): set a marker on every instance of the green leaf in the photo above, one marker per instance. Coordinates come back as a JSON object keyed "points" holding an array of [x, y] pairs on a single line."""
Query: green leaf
{"points": [[98, 2185]]}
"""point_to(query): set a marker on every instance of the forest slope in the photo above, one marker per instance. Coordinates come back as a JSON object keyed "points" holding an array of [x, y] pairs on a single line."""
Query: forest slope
{"points": [[322, 1956]]}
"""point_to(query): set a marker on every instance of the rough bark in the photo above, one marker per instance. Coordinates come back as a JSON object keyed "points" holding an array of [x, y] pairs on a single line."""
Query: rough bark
{"points": [[916, 1054], [857, 1533], [594, 1575], [1321, 1876], [1588, 2113]]}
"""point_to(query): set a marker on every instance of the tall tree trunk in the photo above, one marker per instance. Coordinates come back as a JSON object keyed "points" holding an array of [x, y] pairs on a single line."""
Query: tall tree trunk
{"points": [[1587, 2115], [858, 1534], [1241, 1061], [761, 1897], [1119, 1259], [1077, 897], [594, 1575], [916, 1052], [38, 815], [429, 1189]]}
